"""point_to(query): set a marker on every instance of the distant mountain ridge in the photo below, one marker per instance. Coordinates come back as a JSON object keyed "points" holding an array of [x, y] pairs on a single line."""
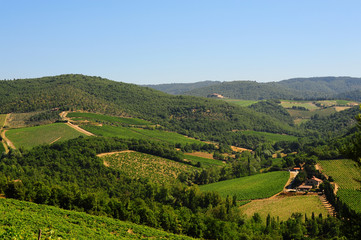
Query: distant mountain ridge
{"points": [[295, 88], [180, 88]]}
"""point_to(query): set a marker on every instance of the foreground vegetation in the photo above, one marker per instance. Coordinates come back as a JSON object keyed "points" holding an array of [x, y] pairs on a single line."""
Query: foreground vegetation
{"points": [[85, 184], [70, 174], [23, 220]]}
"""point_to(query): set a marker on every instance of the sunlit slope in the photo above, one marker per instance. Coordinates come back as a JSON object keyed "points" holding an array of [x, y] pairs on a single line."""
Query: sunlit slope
{"points": [[23, 220]]}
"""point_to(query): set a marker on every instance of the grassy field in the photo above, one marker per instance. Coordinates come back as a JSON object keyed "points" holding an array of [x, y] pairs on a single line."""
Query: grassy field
{"points": [[242, 103], [348, 177], [306, 104], [285, 206], [170, 137], [273, 137], [112, 131], [124, 132], [106, 118], [22, 220], [45, 134], [141, 165], [205, 162], [251, 187]]}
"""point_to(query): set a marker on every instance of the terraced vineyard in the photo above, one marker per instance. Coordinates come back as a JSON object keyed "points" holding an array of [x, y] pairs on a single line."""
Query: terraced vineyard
{"points": [[348, 177], [33, 136], [345, 172], [283, 207], [351, 197], [251, 187], [141, 165], [22, 220]]}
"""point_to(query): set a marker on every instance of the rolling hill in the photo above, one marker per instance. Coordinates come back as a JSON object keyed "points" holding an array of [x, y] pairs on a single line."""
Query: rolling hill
{"points": [[192, 116], [180, 88], [296, 88]]}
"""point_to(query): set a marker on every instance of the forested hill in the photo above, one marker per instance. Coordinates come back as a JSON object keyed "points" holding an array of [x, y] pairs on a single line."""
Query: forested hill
{"points": [[334, 125], [193, 116], [328, 85], [297, 88], [180, 88], [249, 90]]}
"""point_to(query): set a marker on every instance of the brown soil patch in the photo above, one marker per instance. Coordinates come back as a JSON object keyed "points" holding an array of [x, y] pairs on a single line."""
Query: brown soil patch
{"points": [[239, 149], [111, 153], [3, 142], [282, 155], [339, 109], [201, 154]]}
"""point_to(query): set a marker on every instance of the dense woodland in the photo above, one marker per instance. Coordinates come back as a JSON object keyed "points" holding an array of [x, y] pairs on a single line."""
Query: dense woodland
{"points": [[69, 174]]}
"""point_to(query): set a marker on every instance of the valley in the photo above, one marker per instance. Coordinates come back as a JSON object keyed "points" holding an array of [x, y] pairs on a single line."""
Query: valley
{"points": [[207, 168]]}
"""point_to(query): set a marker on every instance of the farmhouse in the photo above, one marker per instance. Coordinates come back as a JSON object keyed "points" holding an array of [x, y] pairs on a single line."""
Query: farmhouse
{"points": [[309, 184], [215, 95], [304, 188], [315, 182]]}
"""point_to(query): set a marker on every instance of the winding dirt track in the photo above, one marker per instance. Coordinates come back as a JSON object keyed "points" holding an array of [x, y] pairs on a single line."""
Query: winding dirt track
{"points": [[76, 127], [6, 142]]}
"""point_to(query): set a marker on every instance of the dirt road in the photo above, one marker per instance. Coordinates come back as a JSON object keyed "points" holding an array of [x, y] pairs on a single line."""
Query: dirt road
{"points": [[6, 142], [76, 127]]}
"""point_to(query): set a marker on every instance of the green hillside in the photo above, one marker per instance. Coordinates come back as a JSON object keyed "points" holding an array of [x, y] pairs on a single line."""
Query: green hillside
{"points": [[335, 124], [191, 116], [45, 134], [23, 220], [247, 90], [297, 88], [180, 88], [327, 85]]}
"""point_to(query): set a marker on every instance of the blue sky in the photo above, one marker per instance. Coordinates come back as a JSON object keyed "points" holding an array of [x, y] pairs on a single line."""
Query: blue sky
{"points": [[154, 41]]}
